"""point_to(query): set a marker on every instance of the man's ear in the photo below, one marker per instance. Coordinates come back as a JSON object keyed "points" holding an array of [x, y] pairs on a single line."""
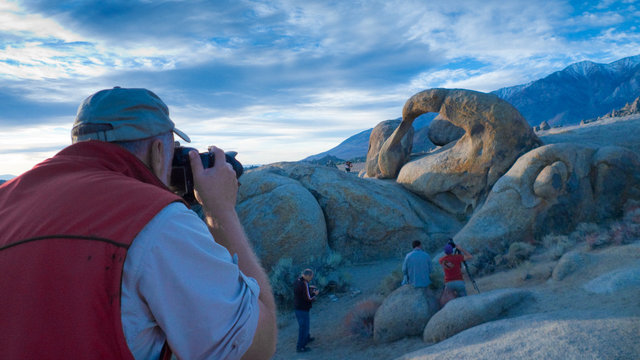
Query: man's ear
{"points": [[156, 158]]}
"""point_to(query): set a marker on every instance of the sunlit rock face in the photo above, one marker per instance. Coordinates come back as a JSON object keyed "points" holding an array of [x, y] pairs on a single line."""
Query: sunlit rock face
{"points": [[458, 176]]}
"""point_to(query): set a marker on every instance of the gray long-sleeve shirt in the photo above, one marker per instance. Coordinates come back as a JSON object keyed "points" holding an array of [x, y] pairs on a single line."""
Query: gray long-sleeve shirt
{"points": [[416, 268]]}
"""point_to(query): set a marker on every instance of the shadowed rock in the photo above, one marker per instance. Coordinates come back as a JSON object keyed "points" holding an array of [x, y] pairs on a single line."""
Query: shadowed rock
{"points": [[554, 336], [442, 132], [466, 312], [405, 312], [618, 280]]}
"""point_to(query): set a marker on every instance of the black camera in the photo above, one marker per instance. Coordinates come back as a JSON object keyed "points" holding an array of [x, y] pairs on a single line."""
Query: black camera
{"points": [[182, 177]]}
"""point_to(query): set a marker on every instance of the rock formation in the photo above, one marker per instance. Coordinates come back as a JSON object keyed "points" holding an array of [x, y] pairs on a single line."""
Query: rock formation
{"points": [[442, 132], [300, 210], [554, 336], [628, 109], [458, 176], [294, 226], [379, 135], [552, 189], [405, 312], [466, 312], [544, 126]]}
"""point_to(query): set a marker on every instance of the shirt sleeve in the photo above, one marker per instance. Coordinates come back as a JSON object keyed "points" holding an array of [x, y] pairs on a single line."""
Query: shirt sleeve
{"points": [[179, 283]]}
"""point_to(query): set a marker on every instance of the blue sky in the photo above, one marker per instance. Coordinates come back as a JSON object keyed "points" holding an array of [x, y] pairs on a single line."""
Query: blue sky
{"points": [[280, 80]]}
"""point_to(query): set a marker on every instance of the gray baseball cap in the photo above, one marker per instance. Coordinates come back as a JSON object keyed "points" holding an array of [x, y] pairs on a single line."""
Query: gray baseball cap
{"points": [[121, 114]]}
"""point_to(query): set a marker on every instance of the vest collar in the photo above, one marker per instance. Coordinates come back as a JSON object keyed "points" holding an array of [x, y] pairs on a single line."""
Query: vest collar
{"points": [[111, 157]]}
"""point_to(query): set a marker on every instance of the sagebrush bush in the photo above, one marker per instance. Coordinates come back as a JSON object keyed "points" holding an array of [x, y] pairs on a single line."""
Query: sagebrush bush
{"points": [[390, 282], [359, 320], [518, 252], [328, 277], [583, 230], [282, 277], [557, 245]]}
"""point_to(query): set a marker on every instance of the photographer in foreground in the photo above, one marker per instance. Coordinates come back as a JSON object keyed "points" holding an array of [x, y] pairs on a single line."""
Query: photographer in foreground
{"points": [[452, 267], [101, 260]]}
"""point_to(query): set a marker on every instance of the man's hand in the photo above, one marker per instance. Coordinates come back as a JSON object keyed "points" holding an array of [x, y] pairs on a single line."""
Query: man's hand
{"points": [[216, 188]]}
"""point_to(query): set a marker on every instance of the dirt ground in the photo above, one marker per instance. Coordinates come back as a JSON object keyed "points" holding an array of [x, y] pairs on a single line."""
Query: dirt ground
{"points": [[333, 341], [327, 322]]}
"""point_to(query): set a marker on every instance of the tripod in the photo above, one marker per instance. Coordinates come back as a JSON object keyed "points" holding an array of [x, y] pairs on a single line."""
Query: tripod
{"points": [[475, 286]]}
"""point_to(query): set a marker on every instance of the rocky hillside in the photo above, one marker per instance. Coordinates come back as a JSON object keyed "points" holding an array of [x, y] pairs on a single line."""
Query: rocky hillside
{"points": [[629, 109]]}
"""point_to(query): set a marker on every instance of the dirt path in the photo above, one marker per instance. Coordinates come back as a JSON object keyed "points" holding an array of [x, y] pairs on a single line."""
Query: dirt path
{"points": [[333, 341], [327, 322]]}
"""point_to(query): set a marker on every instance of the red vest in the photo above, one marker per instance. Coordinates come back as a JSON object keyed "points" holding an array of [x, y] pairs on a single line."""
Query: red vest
{"points": [[65, 227]]}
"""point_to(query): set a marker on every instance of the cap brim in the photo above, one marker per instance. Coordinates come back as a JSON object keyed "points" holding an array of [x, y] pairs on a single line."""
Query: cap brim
{"points": [[181, 134]]}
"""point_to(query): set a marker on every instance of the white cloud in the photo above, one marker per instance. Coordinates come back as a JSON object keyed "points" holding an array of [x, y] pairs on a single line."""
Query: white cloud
{"points": [[25, 147], [14, 19]]}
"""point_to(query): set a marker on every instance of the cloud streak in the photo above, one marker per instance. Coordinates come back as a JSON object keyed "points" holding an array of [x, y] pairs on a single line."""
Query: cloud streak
{"points": [[284, 79]]}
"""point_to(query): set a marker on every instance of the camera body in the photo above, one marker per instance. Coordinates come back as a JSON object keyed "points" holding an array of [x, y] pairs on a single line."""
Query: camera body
{"points": [[182, 176]]}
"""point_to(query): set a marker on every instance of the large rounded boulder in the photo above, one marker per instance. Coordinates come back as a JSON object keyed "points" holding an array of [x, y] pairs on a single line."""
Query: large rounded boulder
{"points": [[281, 218], [364, 219], [405, 312], [466, 312]]}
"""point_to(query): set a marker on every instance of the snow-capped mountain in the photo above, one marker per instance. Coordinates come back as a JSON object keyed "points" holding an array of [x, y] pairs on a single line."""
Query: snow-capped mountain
{"points": [[583, 90]]}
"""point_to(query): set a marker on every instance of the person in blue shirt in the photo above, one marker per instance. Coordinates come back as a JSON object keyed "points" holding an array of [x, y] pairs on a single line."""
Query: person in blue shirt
{"points": [[416, 267]]}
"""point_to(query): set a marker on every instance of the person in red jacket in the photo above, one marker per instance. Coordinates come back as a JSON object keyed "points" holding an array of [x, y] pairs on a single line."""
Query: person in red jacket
{"points": [[452, 267], [100, 260]]}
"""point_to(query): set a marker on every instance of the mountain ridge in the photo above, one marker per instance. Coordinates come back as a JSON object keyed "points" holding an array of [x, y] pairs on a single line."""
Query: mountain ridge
{"points": [[582, 90], [567, 96]]}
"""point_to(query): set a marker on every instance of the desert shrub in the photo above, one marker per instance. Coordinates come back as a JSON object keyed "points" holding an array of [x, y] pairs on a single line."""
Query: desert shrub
{"points": [[518, 252], [595, 240], [359, 320], [622, 233], [584, 230], [557, 245], [282, 277], [328, 273], [619, 232], [390, 282], [484, 262], [328, 277]]}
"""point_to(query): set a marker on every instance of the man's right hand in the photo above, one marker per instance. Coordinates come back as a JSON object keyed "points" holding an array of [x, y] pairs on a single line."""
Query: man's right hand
{"points": [[216, 188]]}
